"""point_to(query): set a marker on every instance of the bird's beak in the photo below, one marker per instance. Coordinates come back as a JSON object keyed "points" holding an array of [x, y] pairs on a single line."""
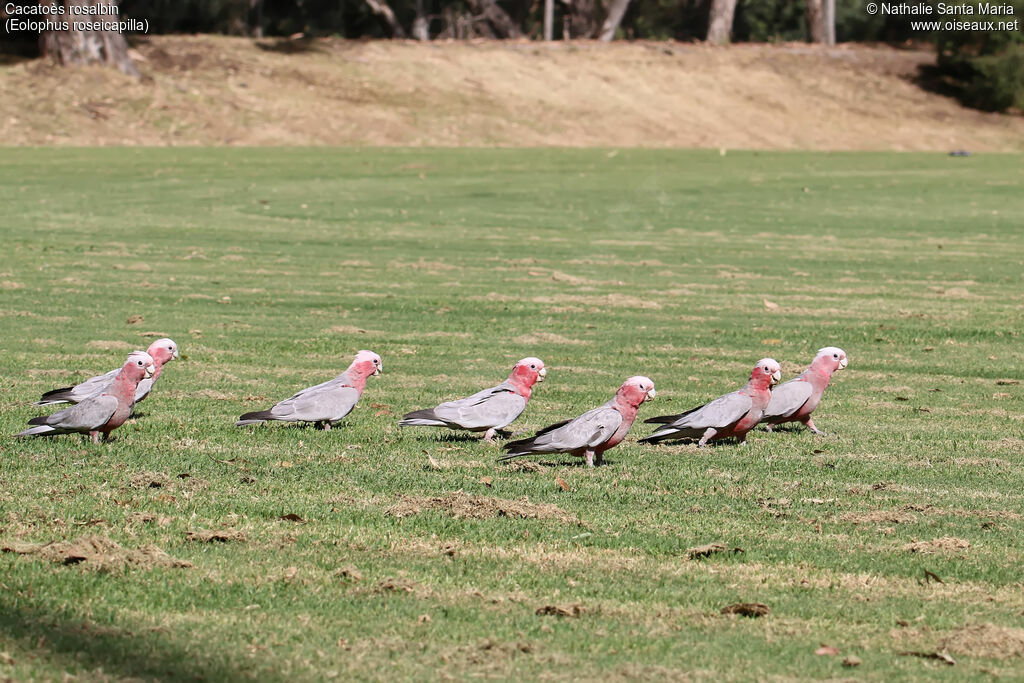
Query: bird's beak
{"points": [[379, 369], [776, 377], [842, 363], [650, 395], [175, 354], [542, 374], [150, 369]]}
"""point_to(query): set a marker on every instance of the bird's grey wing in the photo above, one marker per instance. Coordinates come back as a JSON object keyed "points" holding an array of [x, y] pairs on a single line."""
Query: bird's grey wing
{"points": [[590, 429], [322, 402], [788, 398], [94, 386], [90, 414], [142, 391], [495, 407], [722, 412]]}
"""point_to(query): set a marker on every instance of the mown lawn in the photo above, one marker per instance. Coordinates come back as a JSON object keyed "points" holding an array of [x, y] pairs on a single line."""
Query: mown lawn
{"points": [[410, 559]]}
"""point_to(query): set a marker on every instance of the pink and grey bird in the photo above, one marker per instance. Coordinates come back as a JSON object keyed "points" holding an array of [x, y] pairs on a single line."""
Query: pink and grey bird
{"points": [[162, 351], [795, 400], [733, 414], [488, 410], [593, 432], [100, 413], [327, 403]]}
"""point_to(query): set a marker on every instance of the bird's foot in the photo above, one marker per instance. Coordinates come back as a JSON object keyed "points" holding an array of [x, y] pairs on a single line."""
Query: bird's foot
{"points": [[709, 434], [589, 455], [489, 435], [810, 425], [95, 437]]}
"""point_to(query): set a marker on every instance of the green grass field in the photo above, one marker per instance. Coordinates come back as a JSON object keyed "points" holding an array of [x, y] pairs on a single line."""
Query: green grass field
{"points": [[270, 268]]}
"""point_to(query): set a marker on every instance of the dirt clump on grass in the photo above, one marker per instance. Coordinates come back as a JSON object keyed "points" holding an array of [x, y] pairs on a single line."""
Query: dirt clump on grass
{"points": [[938, 545], [215, 535], [986, 640], [878, 517], [149, 480], [462, 505], [747, 609], [97, 552], [573, 610], [704, 551]]}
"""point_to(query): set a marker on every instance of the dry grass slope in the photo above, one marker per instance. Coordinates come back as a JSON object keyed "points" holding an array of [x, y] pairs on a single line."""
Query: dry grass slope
{"points": [[212, 90]]}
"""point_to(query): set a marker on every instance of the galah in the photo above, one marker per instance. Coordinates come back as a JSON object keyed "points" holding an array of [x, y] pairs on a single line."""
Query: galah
{"points": [[101, 413], [593, 432], [327, 403], [795, 400], [162, 351], [734, 414], [488, 410]]}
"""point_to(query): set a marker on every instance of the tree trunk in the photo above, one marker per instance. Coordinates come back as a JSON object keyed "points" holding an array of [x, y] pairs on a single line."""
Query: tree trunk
{"points": [[383, 10], [830, 22], [720, 21], [549, 20], [420, 25], [88, 47], [816, 21], [503, 24], [611, 23], [256, 17]]}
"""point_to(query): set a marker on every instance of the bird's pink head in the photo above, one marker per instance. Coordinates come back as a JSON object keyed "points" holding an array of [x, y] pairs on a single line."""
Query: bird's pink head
{"points": [[139, 366], [528, 372], [163, 350], [830, 359], [636, 390], [366, 363], [766, 373]]}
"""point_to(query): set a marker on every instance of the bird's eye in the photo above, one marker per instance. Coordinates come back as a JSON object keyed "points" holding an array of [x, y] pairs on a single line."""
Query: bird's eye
{"points": [[641, 387], [835, 355], [375, 361], [532, 366]]}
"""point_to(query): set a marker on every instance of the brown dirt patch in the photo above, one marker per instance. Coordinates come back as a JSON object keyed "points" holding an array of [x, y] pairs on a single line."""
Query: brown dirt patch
{"points": [[462, 505], [783, 96], [703, 551], [986, 640], [938, 545], [747, 609], [573, 610], [109, 345], [97, 552], [149, 480], [878, 517], [215, 535], [548, 338]]}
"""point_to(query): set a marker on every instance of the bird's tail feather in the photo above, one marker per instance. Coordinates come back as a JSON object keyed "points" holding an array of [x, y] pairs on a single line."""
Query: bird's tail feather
{"points": [[62, 395], [41, 430], [254, 418], [421, 418]]}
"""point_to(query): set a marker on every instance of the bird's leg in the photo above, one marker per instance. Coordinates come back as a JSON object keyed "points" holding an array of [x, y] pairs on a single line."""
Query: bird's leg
{"points": [[709, 434], [95, 436], [327, 425], [489, 435], [769, 427], [599, 459], [589, 455], [810, 425]]}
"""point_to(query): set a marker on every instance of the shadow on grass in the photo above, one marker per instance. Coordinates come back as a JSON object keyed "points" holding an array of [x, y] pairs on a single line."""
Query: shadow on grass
{"points": [[73, 644]]}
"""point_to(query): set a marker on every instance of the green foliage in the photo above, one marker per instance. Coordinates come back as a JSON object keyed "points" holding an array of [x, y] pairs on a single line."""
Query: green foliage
{"points": [[271, 266], [986, 68]]}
